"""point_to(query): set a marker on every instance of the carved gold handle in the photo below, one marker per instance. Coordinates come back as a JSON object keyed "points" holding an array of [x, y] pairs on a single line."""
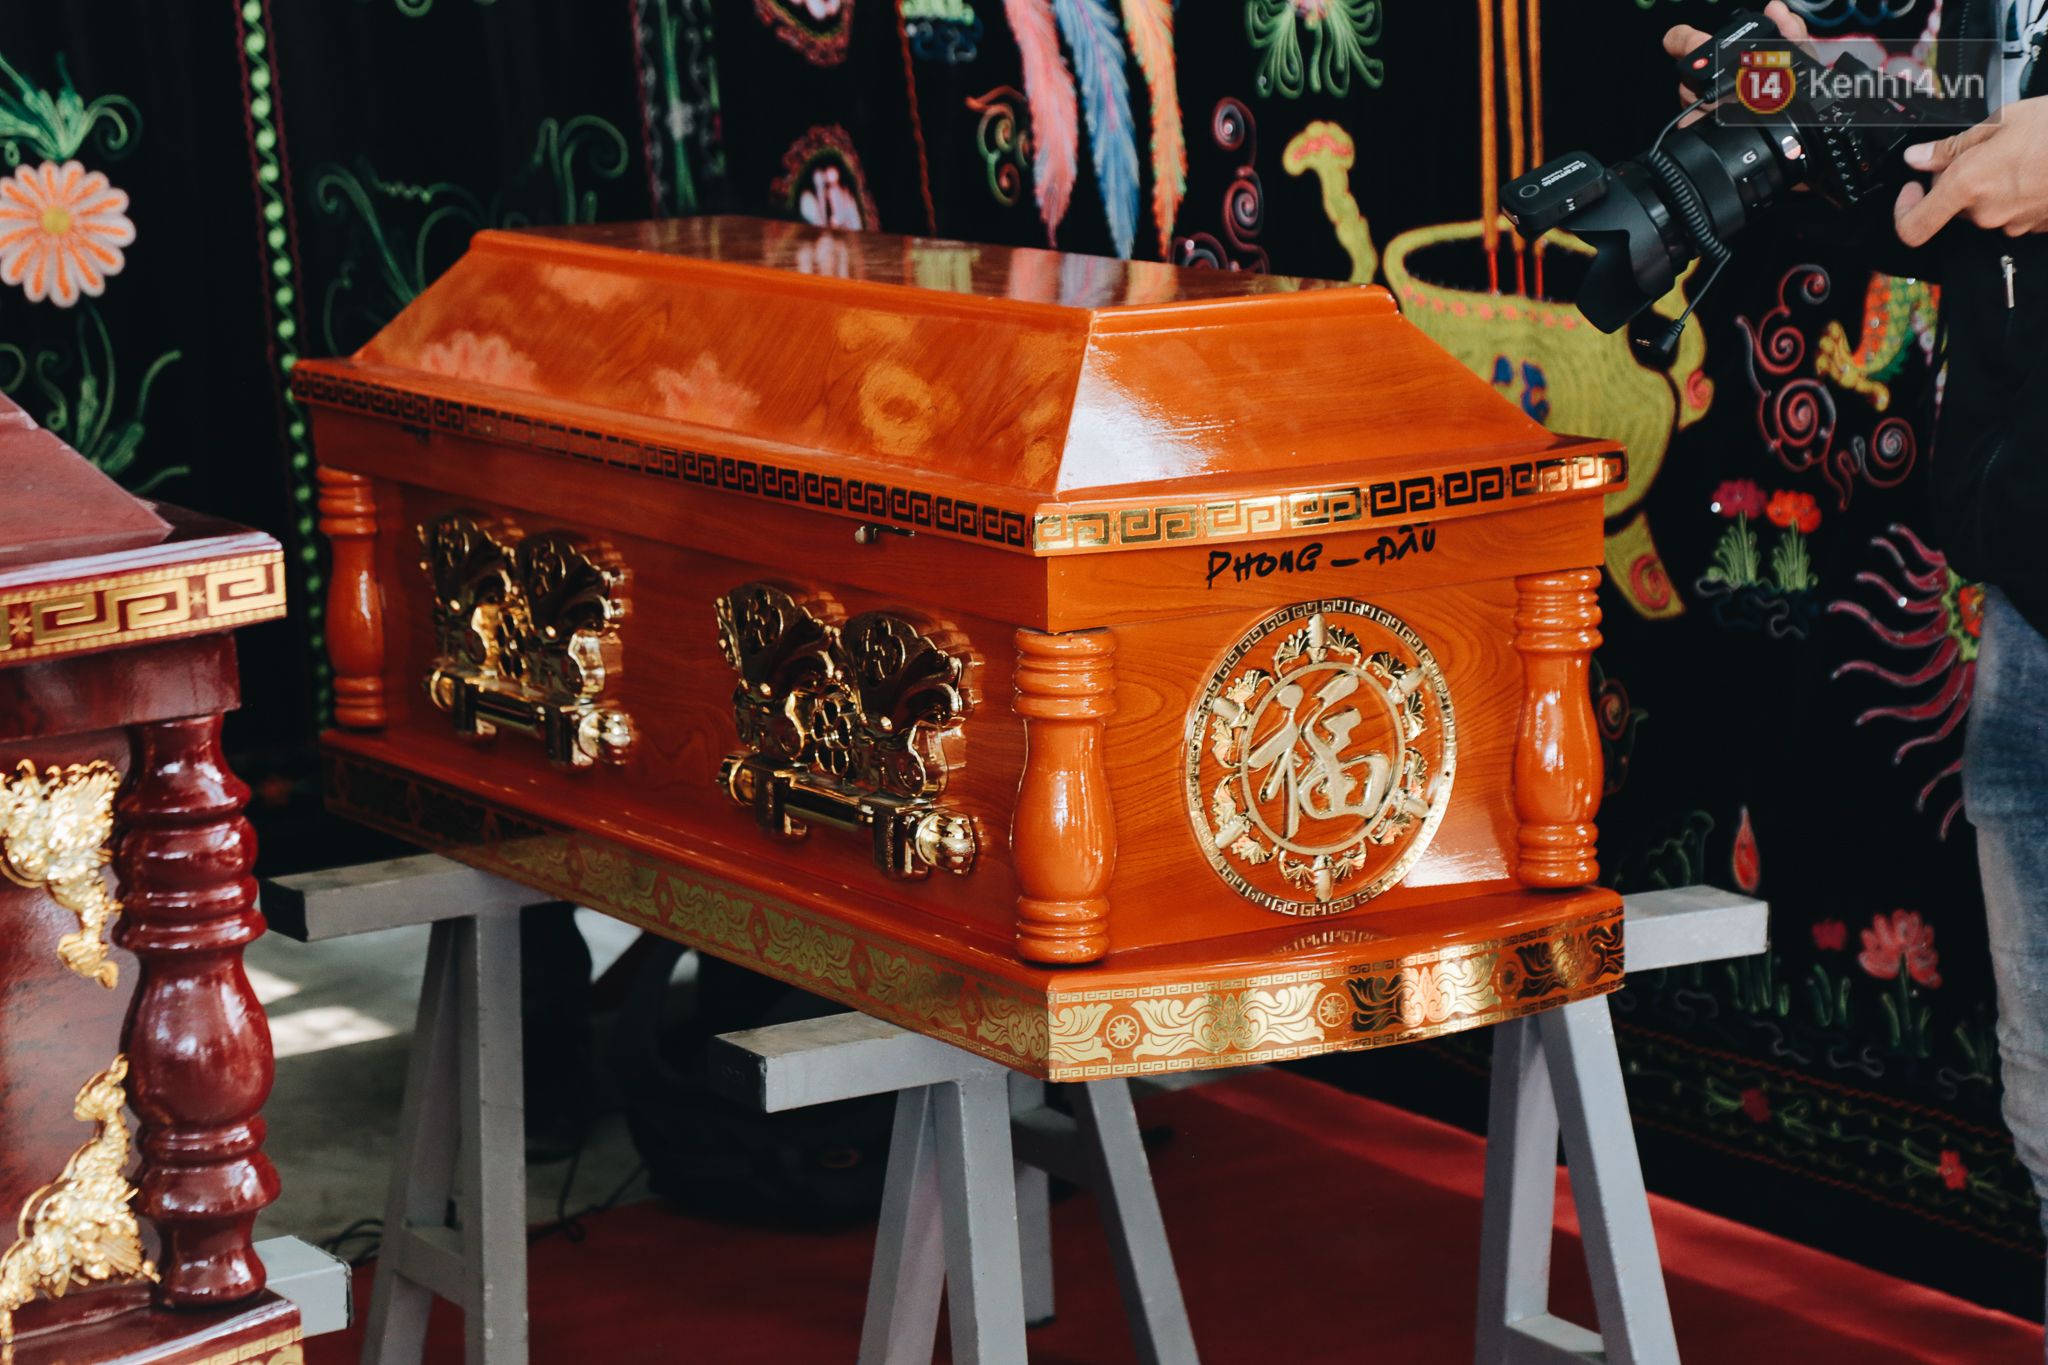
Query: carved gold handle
{"points": [[911, 837], [855, 727], [528, 632]]}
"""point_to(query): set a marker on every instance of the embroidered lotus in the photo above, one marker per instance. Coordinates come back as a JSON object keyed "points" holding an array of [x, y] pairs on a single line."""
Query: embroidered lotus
{"points": [[1790, 509], [1738, 498], [1901, 939], [1969, 611], [61, 231]]}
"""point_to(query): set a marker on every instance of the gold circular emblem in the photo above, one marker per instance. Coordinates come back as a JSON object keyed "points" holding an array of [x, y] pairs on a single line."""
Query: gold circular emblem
{"points": [[1320, 757]]}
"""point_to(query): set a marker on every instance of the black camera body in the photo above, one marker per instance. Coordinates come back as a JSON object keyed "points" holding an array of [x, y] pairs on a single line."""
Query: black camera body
{"points": [[1842, 132]]}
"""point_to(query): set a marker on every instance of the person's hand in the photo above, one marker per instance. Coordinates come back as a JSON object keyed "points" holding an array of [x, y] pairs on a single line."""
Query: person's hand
{"points": [[1684, 38], [1995, 175]]}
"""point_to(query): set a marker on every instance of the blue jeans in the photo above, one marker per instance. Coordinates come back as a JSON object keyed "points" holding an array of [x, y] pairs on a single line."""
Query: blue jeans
{"points": [[2005, 791]]}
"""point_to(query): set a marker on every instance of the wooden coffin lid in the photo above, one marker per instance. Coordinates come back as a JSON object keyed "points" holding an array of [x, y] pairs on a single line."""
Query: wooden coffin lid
{"points": [[86, 566], [1058, 388], [57, 503]]}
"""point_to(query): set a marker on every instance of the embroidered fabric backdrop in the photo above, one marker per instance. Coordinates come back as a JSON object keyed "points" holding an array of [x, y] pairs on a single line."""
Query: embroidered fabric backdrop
{"points": [[199, 195]]}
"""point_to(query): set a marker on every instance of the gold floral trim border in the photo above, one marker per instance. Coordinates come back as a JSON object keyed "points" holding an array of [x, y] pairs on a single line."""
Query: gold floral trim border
{"points": [[278, 1348], [1067, 1035], [180, 599], [1270, 1018]]}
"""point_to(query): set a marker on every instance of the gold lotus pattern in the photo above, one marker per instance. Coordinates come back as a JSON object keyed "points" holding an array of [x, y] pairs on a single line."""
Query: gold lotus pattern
{"points": [[1063, 1034], [1436, 991], [283, 1349]]}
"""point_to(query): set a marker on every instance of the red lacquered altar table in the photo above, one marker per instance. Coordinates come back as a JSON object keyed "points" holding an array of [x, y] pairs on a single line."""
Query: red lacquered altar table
{"points": [[116, 664]]}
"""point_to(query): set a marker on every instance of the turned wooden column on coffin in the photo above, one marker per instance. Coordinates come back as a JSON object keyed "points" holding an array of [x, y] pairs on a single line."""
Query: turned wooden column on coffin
{"points": [[1063, 835], [1559, 771], [355, 605], [197, 1037]]}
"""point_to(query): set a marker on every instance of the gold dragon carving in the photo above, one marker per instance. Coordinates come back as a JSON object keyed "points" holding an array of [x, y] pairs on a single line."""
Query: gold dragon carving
{"points": [[53, 837], [79, 1227]]}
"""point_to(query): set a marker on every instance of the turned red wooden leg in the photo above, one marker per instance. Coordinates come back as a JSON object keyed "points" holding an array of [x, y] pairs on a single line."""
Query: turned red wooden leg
{"points": [[197, 1041]]}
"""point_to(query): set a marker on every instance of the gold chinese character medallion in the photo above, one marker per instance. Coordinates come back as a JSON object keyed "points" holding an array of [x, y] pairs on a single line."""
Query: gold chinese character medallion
{"points": [[1320, 757]]}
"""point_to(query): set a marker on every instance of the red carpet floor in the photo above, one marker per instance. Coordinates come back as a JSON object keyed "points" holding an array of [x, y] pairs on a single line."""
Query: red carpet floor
{"points": [[1309, 1226]]}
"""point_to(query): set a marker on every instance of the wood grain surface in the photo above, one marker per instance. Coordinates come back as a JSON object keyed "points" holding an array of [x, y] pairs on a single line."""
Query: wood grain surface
{"points": [[1180, 397], [715, 323], [677, 687]]}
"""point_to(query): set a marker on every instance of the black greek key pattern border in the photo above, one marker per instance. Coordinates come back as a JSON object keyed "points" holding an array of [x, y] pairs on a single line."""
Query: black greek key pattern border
{"points": [[1072, 529]]}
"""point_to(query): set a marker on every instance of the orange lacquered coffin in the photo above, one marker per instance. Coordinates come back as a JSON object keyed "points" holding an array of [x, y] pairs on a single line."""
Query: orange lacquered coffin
{"points": [[1106, 666]]}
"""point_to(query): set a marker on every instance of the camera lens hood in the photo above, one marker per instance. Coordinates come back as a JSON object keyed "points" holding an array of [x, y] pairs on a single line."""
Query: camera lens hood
{"points": [[1637, 258]]}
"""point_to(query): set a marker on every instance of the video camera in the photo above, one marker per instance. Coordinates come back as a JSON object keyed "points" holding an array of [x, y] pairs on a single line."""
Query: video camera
{"points": [[1841, 129]]}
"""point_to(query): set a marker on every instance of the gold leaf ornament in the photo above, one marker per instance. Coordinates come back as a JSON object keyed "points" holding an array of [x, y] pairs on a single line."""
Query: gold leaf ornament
{"points": [[80, 1227], [54, 831]]}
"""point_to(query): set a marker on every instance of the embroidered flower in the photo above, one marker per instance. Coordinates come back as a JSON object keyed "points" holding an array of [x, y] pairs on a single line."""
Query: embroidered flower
{"points": [[1699, 391], [1794, 509], [828, 203], [1756, 1105], [1954, 1173], [1831, 934], [61, 232], [1738, 498], [1970, 606], [1901, 940]]}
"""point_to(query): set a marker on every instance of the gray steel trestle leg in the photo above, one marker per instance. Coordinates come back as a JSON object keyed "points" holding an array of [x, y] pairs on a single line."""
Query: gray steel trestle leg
{"points": [[1607, 1185], [977, 1201], [461, 1129], [1559, 1073], [965, 1195], [1540, 1064], [1100, 1150], [1130, 1217], [1521, 1204], [1034, 1211], [909, 1276], [949, 1212]]}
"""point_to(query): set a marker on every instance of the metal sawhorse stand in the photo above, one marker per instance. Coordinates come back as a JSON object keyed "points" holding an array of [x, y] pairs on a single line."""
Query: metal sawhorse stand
{"points": [[968, 1139], [461, 1129], [1560, 1071], [948, 1216], [943, 1213]]}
